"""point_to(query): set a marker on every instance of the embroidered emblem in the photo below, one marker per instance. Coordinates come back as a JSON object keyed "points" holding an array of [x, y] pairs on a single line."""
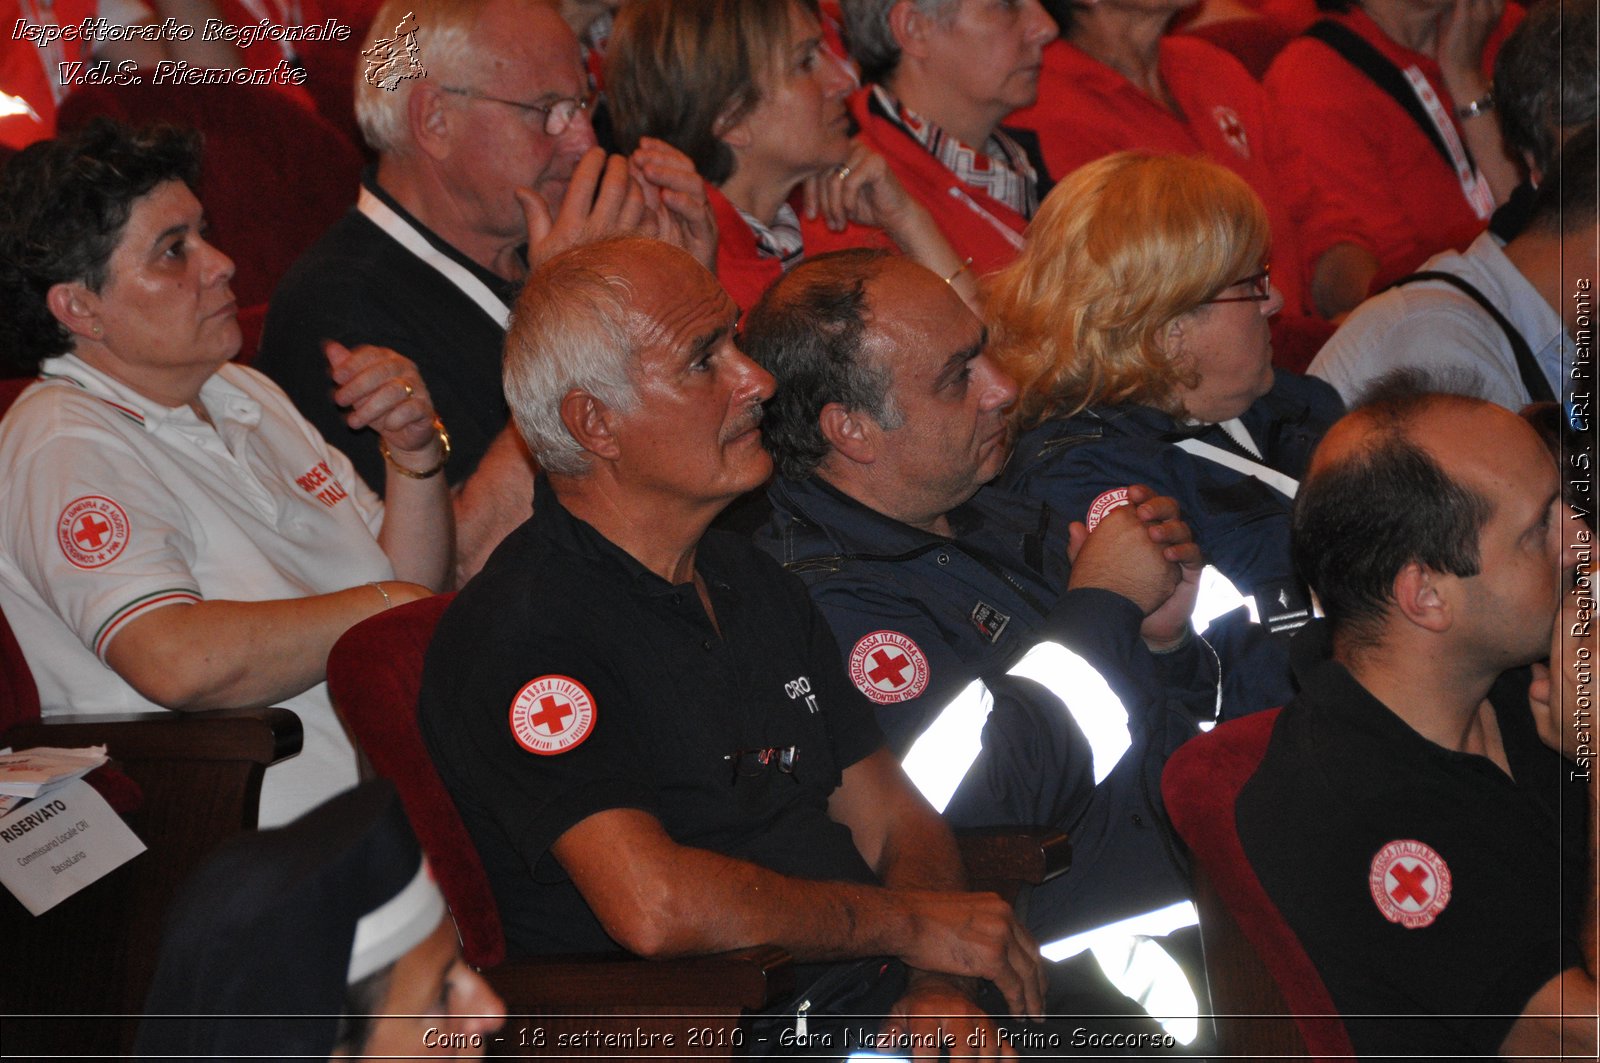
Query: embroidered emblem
{"points": [[888, 667], [1232, 130], [1410, 883], [989, 620], [552, 714], [1103, 505], [93, 531]]}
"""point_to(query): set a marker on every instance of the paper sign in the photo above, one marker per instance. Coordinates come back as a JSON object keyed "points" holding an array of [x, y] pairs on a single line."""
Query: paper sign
{"points": [[55, 845]]}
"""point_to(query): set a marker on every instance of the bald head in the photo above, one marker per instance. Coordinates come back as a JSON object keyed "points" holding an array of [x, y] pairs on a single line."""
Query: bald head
{"points": [[1411, 477]]}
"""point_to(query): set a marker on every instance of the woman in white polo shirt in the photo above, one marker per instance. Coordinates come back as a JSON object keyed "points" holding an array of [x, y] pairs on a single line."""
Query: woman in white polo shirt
{"points": [[172, 532]]}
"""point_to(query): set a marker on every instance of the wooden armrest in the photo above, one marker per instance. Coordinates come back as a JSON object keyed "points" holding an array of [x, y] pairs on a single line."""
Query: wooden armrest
{"points": [[728, 981], [1004, 859], [264, 736]]}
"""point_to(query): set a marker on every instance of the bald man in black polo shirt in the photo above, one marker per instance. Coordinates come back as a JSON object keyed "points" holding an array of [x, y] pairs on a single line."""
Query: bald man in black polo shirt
{"points": [[1413, 818], [646, 726]]}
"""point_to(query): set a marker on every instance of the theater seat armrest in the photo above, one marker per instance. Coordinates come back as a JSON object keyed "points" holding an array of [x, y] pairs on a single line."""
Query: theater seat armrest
{"points": [[1004, 859], [264, 736]]}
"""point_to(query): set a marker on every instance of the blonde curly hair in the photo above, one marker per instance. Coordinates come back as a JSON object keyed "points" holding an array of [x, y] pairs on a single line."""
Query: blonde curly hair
{"points": [[1119, 251]]}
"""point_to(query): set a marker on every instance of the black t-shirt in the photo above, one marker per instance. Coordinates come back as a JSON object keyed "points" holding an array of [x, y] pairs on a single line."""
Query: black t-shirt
{"points": [[566, 679], [1433, 893], [357, 285]]}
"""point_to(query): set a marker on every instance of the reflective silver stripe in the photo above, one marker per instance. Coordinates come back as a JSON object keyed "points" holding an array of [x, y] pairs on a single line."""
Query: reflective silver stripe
{"points": [[403, 233], [941, 756], [1156, 923], [1217, 596], [938, 760], [1139, 967], [1284, 485]]}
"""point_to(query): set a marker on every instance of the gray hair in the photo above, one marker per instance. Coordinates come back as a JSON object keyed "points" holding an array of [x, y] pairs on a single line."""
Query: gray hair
{"points": [[872, 42], [444, 48], [572, 331], [1544, 78]]}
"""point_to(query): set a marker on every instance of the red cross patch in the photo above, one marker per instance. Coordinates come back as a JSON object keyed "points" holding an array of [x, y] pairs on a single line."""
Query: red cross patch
{"points": [[1103, 505], [888, 667], [1232, 130], [552, 714], [93, 531], [1410, 883]]}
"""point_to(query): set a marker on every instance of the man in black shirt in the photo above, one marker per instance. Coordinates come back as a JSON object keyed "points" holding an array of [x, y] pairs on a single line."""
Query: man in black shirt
{"points": [[646, 726], [1412, 820]]}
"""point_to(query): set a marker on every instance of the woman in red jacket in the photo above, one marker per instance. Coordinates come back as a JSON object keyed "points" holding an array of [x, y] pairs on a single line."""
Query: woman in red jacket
{"points": [[747, 89]]}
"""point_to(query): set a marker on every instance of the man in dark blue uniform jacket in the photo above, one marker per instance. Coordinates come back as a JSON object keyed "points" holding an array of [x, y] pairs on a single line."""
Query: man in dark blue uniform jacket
{"points": [[1017, 688]]}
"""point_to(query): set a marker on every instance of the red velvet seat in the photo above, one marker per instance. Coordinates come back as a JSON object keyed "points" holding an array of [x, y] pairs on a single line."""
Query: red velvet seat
{"points": [[275, 176], [1258, 972]]}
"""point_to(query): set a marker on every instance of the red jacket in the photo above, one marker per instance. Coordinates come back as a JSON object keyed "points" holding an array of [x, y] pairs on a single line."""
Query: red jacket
{"points": [[976, 224], [746, 274], [27, 72], [1087, 110], [1364, 154]]}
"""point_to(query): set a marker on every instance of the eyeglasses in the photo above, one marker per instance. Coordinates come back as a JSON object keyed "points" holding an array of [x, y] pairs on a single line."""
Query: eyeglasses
{"points": [[1260, 288], [748, 763], [558, 114]]}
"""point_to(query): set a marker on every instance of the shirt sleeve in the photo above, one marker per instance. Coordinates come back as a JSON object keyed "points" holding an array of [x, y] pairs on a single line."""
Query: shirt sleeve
{"points": [[96, 533]]}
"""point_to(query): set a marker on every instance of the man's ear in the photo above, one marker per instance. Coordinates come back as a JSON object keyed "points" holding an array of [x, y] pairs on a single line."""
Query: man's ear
{"points": [[910, 28], [429, 116], [76, 307], [852, 433], [592, 424], [1425, 597]]}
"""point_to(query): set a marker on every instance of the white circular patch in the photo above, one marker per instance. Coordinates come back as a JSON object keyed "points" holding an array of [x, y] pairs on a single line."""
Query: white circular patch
{"points": [[888, 667], [93, 531], [1104, 505], [552, 714], [1232, 129], [1410, 883]]}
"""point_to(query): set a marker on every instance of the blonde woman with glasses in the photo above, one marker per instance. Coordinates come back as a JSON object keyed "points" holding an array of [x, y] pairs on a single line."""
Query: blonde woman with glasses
{"points": [[1136, 323]]}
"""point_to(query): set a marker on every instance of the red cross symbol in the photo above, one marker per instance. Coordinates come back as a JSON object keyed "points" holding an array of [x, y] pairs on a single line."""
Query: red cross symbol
{"points": [[890, 668], [91, 532], [1409, 883], [552, 714]]}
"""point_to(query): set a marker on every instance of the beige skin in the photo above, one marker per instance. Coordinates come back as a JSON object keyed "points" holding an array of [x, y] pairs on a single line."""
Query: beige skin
{"points": [[969, 70], [1446, 639], [435, 1007], [954, 439], [658, 475], [487, 179], [162, 324], [799, 134]]}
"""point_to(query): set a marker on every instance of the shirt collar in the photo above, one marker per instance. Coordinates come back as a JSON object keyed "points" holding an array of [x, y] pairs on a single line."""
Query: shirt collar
{"points": [[224, 400], [857, 528], [558, 524]]}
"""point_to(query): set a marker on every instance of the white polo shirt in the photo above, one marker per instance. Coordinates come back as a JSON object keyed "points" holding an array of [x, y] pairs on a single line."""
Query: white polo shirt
{"points": [[113, 505]]}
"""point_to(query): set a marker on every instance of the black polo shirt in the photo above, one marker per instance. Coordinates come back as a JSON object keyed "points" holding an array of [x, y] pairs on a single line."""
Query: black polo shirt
{"points": [[1434, 893], [566, 679]]}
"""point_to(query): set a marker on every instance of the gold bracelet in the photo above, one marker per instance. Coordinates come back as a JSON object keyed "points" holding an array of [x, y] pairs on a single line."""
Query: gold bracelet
{"points": [[959, 271], [444, 441]]}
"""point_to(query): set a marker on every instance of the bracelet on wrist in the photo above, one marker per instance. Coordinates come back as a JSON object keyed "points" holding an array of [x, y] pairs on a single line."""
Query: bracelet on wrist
{"points": [[444, 443], [959, 271], [388, 602]]}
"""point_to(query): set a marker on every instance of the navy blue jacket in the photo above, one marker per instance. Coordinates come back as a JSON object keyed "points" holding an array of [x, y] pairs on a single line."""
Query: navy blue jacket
{"points": [[974, 606], [1241, 523]]}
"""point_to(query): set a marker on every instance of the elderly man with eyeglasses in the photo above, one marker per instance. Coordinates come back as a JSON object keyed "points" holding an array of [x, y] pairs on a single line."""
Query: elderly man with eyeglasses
{"points": [[477, 151]]}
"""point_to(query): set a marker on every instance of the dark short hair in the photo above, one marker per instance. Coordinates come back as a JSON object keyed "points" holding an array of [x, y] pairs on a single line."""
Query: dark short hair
{"points": [[1566, 200], [1544, 78], [675, 68], [63, 206], [1358, 523], [807, 332], [1336, 7]]}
